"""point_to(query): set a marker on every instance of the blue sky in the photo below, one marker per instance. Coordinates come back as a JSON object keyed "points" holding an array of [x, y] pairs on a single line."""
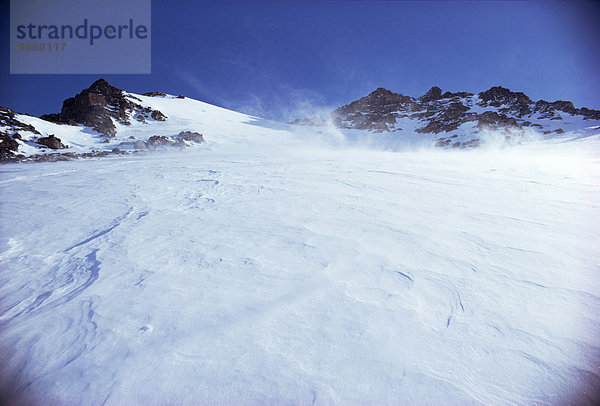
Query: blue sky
{"points": [[281, 59]]}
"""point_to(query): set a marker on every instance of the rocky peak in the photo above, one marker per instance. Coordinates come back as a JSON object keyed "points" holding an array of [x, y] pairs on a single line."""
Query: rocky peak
{"points": [[97, 107], [435, 112], [376, 111], [384, 97], [380, 92], [498, 95], [102, 85], [378, 100], [435, 93], [510, 102]]}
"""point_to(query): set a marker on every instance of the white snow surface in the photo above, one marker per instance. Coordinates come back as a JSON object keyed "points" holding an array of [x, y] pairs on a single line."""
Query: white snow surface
{"points": [[286, 266]]}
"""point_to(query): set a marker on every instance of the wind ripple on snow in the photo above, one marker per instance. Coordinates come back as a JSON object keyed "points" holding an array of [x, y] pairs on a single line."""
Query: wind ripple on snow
{"points": [[77, 275]]}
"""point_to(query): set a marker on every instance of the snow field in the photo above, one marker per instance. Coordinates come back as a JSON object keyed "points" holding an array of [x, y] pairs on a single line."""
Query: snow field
{"points": [[267, 270]]}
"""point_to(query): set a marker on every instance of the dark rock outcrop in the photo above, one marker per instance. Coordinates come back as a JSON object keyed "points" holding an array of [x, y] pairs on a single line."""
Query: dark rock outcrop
{"points": [[450, 95], [51, 142], [157, 115], [97, 107], [8, 119], [435, 93], [172, 141], [375, 111], [493, 120], [498, 95], [515, 102], [156, 140], [9, 135], [162, 141], [438, 112], [8, 147], [444, 117], [154, 94], [52, 117]]}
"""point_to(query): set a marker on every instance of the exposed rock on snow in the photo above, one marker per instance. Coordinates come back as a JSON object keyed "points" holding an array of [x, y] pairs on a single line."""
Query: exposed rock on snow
{"points": [[51, 142], [154, 94], [497, 109], [98, 106], [377, 111], [158, 116], [8, 146], [278, 266], [11, 125], [176, 140], [10, 136], [191, 136], [435, 93], [94, 123], [160, 140], [103, 117]]}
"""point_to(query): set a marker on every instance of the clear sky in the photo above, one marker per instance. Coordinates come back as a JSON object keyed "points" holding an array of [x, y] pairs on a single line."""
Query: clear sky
{"points": [[279, 59]]}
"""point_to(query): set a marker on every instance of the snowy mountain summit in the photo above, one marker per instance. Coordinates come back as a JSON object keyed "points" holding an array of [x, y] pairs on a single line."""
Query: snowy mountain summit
{"points": [[99, 105], [98, 121], [457, 119]]}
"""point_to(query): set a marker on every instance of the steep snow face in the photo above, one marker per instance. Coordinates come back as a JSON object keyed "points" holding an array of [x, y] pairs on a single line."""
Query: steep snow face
{"points": [[272, 268]]}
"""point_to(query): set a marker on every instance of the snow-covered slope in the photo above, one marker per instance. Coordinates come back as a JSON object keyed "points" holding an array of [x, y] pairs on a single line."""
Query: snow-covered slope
{"points": [[103, 120], [276, 265], [216, 124]]}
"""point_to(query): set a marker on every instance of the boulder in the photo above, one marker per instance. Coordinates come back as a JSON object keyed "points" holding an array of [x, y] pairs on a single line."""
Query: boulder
{"points": [[158, 116], [51, 142], [191, 136], [158, 140]]}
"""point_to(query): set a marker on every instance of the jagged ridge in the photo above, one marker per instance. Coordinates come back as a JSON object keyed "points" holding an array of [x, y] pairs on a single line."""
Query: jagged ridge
{"points": [[379, 110], [497, 109]]}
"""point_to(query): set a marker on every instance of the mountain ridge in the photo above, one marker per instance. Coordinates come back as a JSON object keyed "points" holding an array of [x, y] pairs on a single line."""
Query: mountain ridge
{"points": [[103, 120], [496, 109]]}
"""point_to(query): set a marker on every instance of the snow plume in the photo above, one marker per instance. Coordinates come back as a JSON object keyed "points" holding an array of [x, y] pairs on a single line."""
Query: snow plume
{"points": [[291, 102], [499, 139]]}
